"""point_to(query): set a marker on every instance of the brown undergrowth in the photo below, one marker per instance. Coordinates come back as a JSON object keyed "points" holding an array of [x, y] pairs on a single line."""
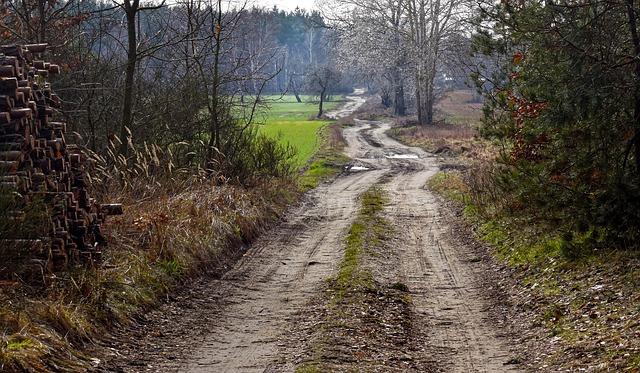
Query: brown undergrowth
{"points": [[161, 241], [454, 133], [178, 224], [582, 311], [579, 304]]}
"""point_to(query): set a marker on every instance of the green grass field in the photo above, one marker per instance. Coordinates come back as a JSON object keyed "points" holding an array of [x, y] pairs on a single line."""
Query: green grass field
{"points": [[294, 123]]}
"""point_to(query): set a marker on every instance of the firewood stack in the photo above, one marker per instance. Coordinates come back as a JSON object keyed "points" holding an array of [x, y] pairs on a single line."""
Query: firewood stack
{"points": [[37, 164]]}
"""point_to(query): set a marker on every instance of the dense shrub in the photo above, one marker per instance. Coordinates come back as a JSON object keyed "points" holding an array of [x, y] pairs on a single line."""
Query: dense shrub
{"points": [[566, 106]]}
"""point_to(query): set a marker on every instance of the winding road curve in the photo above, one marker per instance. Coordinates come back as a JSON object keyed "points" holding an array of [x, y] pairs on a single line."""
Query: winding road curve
{"points": [[286, 266]]}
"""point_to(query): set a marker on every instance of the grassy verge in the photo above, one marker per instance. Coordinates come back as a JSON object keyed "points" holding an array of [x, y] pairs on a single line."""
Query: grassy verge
{"points": [[589, 304], [159, 243], [452, 140], [362, 324], [319, 143], [328, 161]]}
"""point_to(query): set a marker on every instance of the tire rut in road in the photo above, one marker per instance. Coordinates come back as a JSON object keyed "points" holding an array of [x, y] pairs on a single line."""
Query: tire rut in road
{"points": [[255, 302], [443, 285], [448, 299], [277, 276]]}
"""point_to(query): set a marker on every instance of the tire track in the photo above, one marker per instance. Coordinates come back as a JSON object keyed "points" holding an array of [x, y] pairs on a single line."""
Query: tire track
{"points": [[247, 311]]}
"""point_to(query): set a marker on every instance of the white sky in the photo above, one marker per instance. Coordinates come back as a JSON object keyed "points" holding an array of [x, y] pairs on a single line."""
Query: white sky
{"points": [[287, 4]]}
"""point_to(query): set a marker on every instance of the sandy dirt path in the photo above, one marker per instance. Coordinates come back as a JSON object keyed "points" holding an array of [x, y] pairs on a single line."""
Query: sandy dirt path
{"points": [[278, 275], [440, 276], [254, 301]]}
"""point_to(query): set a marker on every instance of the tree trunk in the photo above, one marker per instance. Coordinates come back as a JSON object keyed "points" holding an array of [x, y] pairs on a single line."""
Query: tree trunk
{"points": [[294, 89], [429, 102], [132, 56], [635, 38], [399, 106], [419, 106], [386, 98], [214, 110], [322, 97]]}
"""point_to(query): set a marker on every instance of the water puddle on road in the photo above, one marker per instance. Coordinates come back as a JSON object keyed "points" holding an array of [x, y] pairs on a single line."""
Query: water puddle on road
{"points": [[402, 156], [358, 169]]}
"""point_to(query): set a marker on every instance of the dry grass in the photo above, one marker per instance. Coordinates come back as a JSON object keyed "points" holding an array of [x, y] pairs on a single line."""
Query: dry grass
{"points": [[174, 227], [454, 133], [446, 140], [460, 107]]}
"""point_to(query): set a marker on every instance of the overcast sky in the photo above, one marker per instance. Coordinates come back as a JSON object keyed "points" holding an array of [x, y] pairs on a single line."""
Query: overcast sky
{"points": [[287, 4]]}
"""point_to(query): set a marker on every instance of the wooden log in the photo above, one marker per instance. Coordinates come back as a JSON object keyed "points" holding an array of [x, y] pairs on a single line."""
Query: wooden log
{"points": [[54, 69], [7, 71], [59, 125], [6, 146], [75, 159], [112, 209], [6, 102], [9, 178], [26, 91], [11, 155], [12, 138], [19, 113], [8, 86], [9, 166], [12, 126], [44, 111], [12, 50], [19, 99], [38, 177], [10, 60], [56, 99], [36, 48]]}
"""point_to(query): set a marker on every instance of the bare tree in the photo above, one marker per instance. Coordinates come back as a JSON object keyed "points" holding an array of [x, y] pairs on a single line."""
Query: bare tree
{"points": [[394, 37], [321, 81], [372, 42], [430, 23]]}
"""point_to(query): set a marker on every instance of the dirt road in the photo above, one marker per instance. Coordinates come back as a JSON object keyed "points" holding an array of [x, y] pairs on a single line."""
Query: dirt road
{"points": [[256, 299], [441, 277]]}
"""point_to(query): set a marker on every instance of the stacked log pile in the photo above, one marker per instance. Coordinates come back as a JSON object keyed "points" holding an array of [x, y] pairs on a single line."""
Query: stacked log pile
{"points": [[37, 165]]}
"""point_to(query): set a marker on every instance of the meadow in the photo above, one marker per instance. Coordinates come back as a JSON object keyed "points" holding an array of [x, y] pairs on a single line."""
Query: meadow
{"points": [[295, 123]]}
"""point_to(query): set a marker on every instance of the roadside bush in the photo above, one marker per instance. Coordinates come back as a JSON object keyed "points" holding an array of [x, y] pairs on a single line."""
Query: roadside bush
{"points": [[567, 122]]}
